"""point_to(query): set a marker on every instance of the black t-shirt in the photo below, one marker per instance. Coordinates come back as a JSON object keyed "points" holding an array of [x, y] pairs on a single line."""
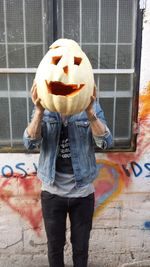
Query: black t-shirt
{"points": [[63, 162]]}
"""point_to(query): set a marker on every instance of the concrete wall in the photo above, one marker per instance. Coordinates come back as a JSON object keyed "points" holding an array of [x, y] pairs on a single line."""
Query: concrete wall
{"points": [[121, 228]]}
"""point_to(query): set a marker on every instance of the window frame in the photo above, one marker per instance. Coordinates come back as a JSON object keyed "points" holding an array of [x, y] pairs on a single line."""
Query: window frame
{"points": [[52, 7]]}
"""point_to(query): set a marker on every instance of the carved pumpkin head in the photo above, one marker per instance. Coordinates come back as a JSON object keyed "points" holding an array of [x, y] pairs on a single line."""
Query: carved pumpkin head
{"points": [[64, 78]]}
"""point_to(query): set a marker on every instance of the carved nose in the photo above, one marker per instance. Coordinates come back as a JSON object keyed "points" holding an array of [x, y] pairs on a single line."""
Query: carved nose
{"points": [[65, 69]]}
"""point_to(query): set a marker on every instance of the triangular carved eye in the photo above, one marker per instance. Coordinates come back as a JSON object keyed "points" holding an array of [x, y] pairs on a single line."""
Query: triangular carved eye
{"points": [[55, 60], [77, 60]]}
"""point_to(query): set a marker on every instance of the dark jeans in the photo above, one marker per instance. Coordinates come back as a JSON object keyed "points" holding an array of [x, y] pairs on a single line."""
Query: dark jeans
{"points": [[80, 212]]}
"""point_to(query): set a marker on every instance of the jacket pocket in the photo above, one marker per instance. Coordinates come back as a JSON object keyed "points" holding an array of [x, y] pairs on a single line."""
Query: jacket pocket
{"points": [[83, 128]]}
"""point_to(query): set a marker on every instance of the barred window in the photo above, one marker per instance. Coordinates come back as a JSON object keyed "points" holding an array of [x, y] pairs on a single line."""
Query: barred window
{"points": [[107, 32]]}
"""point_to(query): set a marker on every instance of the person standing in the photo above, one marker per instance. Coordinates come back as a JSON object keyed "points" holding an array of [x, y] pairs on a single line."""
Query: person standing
{"points": [[67, 168]]}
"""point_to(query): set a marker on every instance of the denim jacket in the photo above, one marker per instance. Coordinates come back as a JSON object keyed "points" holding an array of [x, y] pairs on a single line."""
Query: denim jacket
{"points": [[81, 143]]}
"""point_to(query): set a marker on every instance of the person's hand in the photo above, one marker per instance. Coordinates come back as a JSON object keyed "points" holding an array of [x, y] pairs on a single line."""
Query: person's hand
{"points": [[89, 109], [35, 99]]}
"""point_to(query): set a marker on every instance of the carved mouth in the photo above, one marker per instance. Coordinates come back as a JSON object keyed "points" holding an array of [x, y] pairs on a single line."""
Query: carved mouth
{"points": [[59, 88]]}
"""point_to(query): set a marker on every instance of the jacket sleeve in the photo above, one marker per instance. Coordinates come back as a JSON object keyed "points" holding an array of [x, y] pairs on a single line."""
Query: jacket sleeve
{"points": [[103, 141], [30, 143]]}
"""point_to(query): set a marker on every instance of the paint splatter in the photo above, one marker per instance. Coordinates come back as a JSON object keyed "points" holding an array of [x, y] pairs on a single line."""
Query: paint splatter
{"points": [[22, 195], [147, 225], [108, 184], [144, 105]]}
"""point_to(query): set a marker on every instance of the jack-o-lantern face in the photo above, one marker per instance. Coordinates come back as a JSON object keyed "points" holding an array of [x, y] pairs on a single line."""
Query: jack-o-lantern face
{"points": [[65, 78]]}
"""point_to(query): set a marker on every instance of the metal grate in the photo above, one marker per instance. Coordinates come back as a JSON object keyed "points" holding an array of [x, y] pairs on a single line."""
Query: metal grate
{"points": [[22, 45]]}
